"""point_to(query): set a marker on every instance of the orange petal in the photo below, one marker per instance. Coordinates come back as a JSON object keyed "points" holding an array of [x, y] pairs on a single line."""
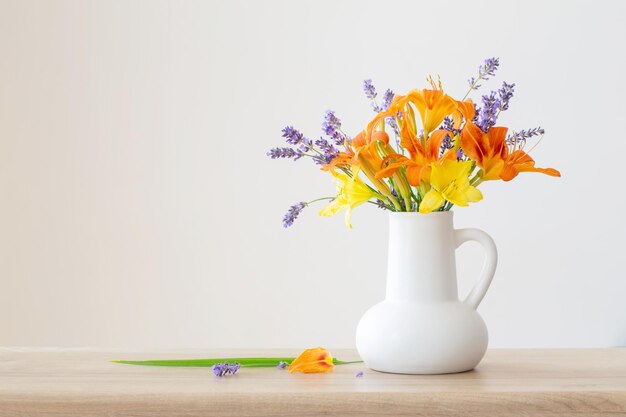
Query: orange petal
{"points": [[382, 136], [471, 142], [497, 140], [466, 108], [359, 140], [433, 146], [520, 161], [390, 169], [414, 174], [313, 360]]}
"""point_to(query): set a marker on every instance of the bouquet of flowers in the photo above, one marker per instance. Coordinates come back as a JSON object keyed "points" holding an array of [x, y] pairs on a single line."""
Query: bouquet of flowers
{"points": [[431, 165]]}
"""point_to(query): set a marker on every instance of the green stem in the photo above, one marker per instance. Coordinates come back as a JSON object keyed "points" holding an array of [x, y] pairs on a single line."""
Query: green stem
{"points": [[395, 202], [207, 363], [382, 204], [320, 199]]}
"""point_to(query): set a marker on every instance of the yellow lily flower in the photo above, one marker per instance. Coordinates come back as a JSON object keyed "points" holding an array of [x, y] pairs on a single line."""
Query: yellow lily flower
{"points": [[351, 192], [450, 181]]}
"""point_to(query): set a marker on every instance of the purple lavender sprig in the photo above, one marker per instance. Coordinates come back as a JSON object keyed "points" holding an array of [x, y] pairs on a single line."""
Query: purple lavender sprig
{"points": [[391, 122], [282, 365], [522, 136], [487, 115], [371, 94], [369, 89], [332, 128], [448, 124], [485, 71], [505, 93], [287, 153], [446, 145], [293, 213], [387, 99], [328, 152], [293, 136], [492, 104], [223, 369]]}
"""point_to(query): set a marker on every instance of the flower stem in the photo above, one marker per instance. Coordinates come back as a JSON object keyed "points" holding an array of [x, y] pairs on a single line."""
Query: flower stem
{"points": [[320, 199]]}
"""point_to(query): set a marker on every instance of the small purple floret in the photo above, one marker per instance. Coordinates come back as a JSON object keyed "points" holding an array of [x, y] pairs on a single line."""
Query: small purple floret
{"points": [[360, 374], [305, 145], [282, 365], [293, 213]]}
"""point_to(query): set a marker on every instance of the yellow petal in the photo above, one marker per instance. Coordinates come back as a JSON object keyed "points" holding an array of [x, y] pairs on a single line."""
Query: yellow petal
{"points": [[431, 201], [333, 208], [473, 194], [349, 217]]}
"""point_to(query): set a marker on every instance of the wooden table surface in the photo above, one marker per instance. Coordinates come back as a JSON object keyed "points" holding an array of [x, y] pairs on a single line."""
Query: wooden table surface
{"points": [[530, 383]]}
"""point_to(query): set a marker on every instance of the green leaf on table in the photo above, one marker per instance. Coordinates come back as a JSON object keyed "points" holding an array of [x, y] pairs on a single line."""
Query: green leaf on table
{"points": [[207, 363]]}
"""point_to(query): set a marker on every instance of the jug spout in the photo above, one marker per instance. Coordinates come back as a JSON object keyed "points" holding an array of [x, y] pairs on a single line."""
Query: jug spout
{"points": [[421, 261]]}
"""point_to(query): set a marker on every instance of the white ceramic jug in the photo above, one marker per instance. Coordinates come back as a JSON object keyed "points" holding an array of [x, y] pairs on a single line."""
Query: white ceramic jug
{"points": [[422, 327]]}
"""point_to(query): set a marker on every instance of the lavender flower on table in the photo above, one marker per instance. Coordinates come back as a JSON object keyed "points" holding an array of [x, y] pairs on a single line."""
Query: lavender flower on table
{"points": [[223, 369], [360, 374], [293, 213], [282, 365]]}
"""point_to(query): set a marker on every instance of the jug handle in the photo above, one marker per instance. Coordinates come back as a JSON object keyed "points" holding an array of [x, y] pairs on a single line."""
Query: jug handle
{"points": [[489, 266]]}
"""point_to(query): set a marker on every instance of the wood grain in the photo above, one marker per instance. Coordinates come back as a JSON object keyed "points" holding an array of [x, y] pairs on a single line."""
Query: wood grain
{"points": [[537, 383]]}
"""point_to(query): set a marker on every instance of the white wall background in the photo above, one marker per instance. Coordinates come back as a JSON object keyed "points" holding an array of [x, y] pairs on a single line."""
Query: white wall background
{"points": [[138, 209]]}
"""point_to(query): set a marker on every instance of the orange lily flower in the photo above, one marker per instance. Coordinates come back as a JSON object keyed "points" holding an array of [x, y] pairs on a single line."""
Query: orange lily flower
{"points": [[466, 110], [520, 161], [489, 149], [433, 106], [313, 360], [363, 155], [422, 158], [363, 145], [342, 160], [493, 156]]}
